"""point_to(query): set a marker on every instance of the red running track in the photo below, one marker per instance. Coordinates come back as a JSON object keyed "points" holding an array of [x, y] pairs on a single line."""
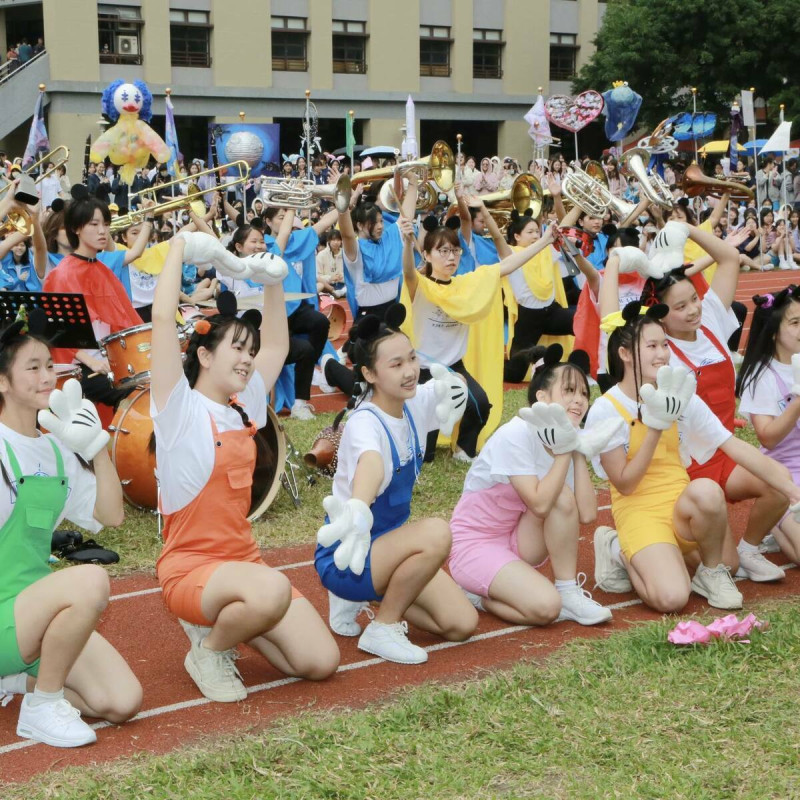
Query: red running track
{"points": [[174, 712]]}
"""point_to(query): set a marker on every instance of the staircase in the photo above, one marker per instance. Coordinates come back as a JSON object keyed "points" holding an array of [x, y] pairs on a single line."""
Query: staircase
{"points": [[18, 92]]}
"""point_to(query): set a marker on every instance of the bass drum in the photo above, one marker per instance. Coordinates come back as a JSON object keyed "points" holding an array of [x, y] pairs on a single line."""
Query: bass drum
{"points": [[133, 454], [336, 315]]}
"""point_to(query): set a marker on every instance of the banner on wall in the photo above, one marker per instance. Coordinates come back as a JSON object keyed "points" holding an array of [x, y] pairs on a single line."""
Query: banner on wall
{"points": [[257, 144]]}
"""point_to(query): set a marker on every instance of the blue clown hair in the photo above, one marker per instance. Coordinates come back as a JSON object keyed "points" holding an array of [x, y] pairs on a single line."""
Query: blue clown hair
{"points": [[146, 112]]}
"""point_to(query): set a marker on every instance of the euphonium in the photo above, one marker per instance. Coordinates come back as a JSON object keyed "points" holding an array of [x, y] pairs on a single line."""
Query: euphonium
{"points": [[304, 194], [427, 196], [526, 192], [618, 206], [696, 182], [651, 184], [586, 193], [41, 162], [17, 222]]}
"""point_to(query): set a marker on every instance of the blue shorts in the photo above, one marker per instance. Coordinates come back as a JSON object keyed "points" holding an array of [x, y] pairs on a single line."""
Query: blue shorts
{"points": [[10, 658], [344, 583]]}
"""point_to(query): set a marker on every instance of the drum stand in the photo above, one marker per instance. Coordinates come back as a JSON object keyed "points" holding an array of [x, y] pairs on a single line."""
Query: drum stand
{"points": [[295, 472]]}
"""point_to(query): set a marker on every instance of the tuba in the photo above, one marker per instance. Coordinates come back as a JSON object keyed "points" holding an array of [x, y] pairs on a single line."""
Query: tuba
{"points": [[651, 184], [696, 182], [525, 193], [618, 206]]}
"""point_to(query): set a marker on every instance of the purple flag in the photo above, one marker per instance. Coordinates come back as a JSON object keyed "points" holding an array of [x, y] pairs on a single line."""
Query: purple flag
{"points": [[736, 125], [38, 141]]}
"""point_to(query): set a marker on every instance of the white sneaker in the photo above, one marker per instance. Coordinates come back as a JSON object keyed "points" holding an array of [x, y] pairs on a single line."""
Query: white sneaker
{"points": [[302, 409], [11, 685], [609, 575], [215, 673], [757, 568], [340, 293], [391, 643], [58, 724], [341, 356], [717, 586], [475, 599], [784, 264], [769, 544], [196, 633], [578, 606], [342, 615], [460, 455]]}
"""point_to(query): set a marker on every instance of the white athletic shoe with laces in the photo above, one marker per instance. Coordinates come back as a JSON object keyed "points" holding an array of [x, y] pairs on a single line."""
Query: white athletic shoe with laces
{"points": [[342, 615], [757, 568], [769, 544], [609, 575], [215, 673], [302, 409], [717, 586], [578, 606], [58, 724], [390, 642], [460, 455]]}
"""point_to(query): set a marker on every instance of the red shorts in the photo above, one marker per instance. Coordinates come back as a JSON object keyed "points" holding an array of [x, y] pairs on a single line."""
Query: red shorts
{"points": [[183, 597], [718, 468]]}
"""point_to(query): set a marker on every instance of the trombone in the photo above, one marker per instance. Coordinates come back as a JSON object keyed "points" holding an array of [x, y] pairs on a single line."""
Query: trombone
{"points": [[137, 217], [696, 182], [244, 174], [40, 163]]}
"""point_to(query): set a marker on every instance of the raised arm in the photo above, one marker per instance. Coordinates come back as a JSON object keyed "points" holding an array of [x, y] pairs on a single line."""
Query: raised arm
{"points": [[502, 246], [410, 274], [140, 244], [274, 336], [326, 221], [608, 297], [285, 230], [522, 257], [726, 278], [40, 259], [347, 229]]}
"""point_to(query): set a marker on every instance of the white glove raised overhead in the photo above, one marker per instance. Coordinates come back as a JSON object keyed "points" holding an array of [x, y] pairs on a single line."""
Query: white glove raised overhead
{"points": [[205, 250], [451, 397], [552, 427], [667, 252], [74, 421], [592, 441], [265, 268], [632, 259], [667, 402], [796, 374], [351, 524]]}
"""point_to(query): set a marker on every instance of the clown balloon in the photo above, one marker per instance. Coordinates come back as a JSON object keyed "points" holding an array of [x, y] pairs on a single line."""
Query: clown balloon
{"points": [[130, 142]]}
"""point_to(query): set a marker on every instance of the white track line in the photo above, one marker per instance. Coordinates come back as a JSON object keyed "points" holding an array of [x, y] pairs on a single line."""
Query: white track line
{"points": [[369, 662]]}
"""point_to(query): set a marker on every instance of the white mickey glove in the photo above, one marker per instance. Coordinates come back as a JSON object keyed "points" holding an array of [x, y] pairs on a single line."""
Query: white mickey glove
{"points": [[451, 397], [552, 427], [795, 374], [351, 524], [74, 421], [666, 404], [667, 252], [205, 250], [266, 268], [593, 441], [632, 259]]}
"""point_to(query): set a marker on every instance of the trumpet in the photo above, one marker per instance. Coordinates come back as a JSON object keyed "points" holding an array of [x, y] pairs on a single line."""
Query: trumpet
{"points": [[439, 167], [305, 194], [696, 182], [192, 200], [651, 183], [17, 222], [41, 162], [242, 166]]}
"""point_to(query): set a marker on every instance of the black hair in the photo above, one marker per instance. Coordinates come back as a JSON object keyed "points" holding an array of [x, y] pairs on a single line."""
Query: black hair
{"points": [[26, 256], [571, 373], [517, 223], [655, 289], [435, 237], [623, 237], [627, 336], [769, 313], [333, 233], [365, 338], [762, 215], [683, 202], [18, 333], [80, 212], [240, 236], [366, 214]]}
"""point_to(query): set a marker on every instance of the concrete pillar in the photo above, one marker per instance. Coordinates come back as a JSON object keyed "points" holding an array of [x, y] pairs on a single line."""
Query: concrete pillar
{"points": [[242, 53], [385, 132], [587, 30], [3, 39], [77, 20], [461, 51], [156, 53], [71, 129], [320, 45], [393, 46], [513, 140], [527, 50]]}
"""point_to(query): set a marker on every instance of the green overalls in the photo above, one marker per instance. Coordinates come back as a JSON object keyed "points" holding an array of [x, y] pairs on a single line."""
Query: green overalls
{"points": [[25, 548]]}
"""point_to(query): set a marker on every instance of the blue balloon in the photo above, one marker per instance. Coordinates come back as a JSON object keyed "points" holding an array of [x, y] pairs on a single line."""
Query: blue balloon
{"points": [[621, 109]]}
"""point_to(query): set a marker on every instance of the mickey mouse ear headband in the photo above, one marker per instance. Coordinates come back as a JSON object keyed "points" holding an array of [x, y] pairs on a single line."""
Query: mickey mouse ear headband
{"points": [[227, 308], [33, 322], [371, 327], [555, 352]]}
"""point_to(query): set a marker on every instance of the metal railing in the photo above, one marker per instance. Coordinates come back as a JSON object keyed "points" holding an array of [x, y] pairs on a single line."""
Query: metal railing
{"points": [[11, 68]]}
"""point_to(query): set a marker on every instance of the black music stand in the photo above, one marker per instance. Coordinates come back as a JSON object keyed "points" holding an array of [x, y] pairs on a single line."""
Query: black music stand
{"points": [[68, 323]]}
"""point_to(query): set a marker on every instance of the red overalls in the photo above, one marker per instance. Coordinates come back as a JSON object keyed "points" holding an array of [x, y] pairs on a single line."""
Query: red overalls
{"points": [[716, 386]]}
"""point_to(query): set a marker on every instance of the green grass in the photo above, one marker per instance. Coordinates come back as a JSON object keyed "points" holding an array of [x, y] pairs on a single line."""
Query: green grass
{"points": [[629, 716]]}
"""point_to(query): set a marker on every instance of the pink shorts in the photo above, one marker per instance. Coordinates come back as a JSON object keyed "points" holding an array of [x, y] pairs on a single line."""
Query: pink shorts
{"points": [[484, 527]]}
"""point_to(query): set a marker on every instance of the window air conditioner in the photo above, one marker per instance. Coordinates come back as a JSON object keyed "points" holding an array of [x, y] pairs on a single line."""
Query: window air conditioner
{"points": [[128, 45]]}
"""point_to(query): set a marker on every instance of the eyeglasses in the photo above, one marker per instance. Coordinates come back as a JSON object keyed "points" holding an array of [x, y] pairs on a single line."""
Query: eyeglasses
{"points": [[449, 251]]}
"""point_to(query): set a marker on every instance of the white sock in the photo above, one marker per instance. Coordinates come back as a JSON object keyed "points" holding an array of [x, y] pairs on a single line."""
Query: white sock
{"points": [[746, 547], [563, 586], [616, 553], [39, 697], [14, 684]]}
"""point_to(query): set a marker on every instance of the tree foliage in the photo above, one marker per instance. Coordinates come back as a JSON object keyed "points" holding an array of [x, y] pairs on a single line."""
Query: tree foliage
{"points": [[662, 48]]}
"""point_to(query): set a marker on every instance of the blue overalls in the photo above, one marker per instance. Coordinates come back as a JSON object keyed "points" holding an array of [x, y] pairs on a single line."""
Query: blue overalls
{"points": [[390, 510]]}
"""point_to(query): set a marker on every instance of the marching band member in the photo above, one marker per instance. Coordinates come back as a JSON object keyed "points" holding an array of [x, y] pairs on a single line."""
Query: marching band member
{"points": [[205, 415]]}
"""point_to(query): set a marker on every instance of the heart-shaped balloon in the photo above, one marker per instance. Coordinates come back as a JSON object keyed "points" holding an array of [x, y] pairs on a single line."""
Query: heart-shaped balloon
{"points": [[574, 113]]}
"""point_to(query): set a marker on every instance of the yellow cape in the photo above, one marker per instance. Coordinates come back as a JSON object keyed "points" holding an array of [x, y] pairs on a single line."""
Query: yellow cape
{"points": [[153, 258], [692, 252], [473, 299], [543, 278]]}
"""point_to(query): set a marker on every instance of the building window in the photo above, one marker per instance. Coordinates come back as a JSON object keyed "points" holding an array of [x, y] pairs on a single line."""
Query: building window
{"points": [[120, 34], [487, 53], [349, 46], [434, 51], [289, 44], [563, 56], [189, 38]]}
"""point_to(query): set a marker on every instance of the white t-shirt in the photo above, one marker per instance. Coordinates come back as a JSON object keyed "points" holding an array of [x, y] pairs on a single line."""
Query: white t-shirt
{"points": [[371, 294], [36, 457], [720, 321], [765, 397], [522, 293], [143, 287], [628, 293], [513, 449], [699, 429], [239, 287], [440, 338], [185, 449], [363, 432]]}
